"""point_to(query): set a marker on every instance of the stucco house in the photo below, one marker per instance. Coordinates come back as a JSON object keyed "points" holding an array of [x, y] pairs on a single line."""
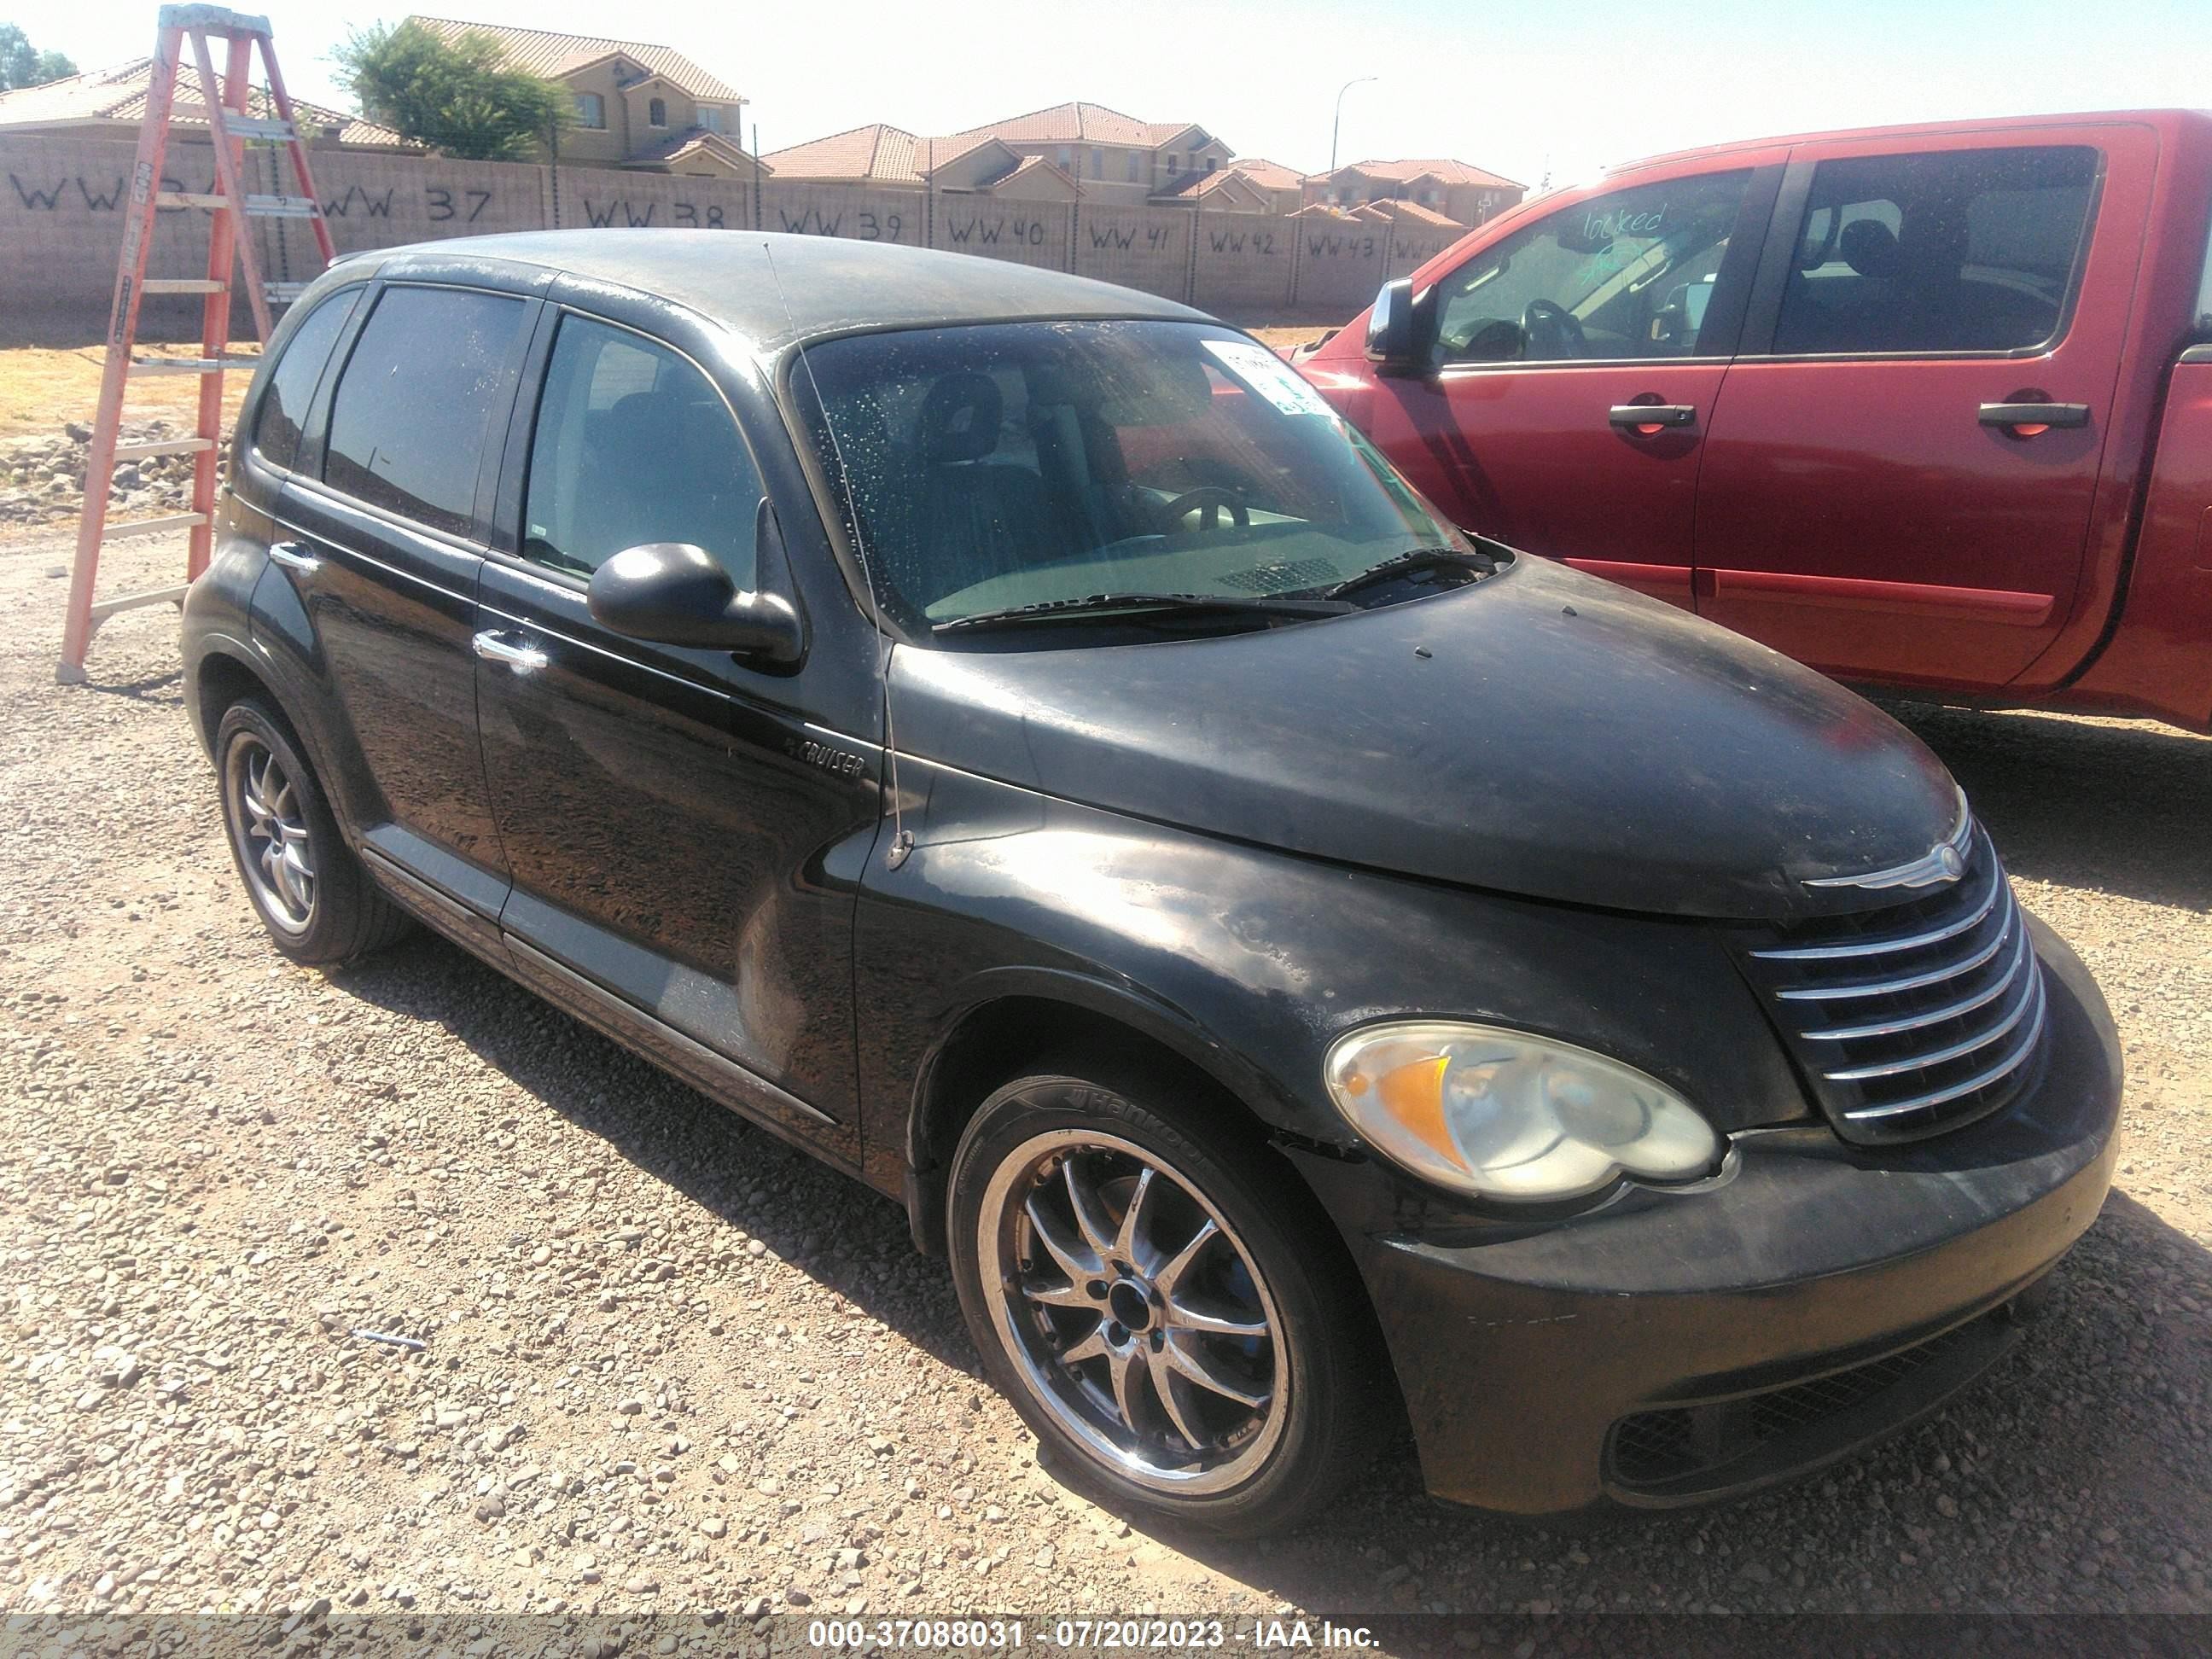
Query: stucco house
{"points": [[1284, 187], [637, 106], [1114, 157], [1070, 152], [109, 103], [888, 157], [1459, 191]]}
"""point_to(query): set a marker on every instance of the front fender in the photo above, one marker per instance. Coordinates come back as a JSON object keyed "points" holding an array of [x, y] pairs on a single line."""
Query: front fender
{"points": [[1250, 962]]}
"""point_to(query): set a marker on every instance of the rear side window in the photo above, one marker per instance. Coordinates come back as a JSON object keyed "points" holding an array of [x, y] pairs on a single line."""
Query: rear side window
{"points": [[292, 384], [415, 400], [634, 444], [1953, 251]]}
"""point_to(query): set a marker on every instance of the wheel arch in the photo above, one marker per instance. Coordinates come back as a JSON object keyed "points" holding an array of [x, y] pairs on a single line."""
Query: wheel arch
{"points": [[223, 676], [1009, 1019]]}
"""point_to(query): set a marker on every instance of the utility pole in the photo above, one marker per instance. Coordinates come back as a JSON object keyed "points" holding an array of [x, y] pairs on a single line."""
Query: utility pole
{"points": [[1337, 125]]}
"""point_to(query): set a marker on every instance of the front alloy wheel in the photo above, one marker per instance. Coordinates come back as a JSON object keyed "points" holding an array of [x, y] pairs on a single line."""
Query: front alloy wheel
{"points": [[1161, 1298], [1133, 1311]]}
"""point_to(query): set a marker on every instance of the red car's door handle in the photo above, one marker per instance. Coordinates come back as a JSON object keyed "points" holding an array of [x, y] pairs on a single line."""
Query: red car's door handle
{"points": [[2026, 419], [1650, 418]]}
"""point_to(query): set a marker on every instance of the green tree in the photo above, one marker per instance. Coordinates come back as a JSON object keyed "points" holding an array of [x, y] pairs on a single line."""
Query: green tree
{"points": [[457, 96], [21, 64]]}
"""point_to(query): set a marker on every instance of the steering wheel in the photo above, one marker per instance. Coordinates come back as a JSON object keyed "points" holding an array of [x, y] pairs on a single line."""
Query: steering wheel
{"points": [[1557, 330], [1206, 501]]}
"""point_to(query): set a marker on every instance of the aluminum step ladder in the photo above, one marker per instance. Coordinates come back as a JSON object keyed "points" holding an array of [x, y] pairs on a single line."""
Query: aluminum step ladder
{"points": [[229, 110]]}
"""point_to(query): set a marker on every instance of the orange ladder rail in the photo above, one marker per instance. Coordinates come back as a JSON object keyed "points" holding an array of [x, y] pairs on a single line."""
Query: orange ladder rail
{"points": [[232, 123]]}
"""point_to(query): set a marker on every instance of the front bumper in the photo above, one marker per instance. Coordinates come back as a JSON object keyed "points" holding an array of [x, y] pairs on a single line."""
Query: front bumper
{"points": [[1672, 1348]]}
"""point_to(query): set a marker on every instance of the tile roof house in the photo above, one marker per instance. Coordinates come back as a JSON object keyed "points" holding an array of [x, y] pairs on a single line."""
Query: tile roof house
{"points": [[637, 106], [1284, 186], [1116, 158], [1457, 190], [1225, 189], [110, 103], [1406, 213], [890, 157]]}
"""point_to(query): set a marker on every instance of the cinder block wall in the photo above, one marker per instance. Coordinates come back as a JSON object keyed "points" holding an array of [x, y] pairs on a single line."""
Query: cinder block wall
{"points": [[61, 213]]}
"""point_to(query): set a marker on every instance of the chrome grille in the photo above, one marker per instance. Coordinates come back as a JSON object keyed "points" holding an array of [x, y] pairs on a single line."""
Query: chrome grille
{"points": [[1914, 1018]]}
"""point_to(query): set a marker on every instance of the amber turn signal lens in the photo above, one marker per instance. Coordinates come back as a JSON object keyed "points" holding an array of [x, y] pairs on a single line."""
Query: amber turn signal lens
{"points": [[1503, 1114]]}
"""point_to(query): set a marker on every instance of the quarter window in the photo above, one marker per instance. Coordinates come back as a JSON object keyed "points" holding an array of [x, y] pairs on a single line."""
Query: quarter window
{"points": [[634, 444], [1627, 275], [1953, 251], [292, 383], [407, 423]]}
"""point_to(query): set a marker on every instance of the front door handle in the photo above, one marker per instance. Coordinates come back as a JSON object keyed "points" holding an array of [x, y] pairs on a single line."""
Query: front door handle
{"points": [[1649, 419], [2026, 419], [293, 556], [522, 659]]}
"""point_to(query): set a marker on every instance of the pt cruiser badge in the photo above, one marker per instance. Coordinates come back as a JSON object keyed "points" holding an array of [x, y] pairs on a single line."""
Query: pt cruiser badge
{"points": [[1946, 861]]}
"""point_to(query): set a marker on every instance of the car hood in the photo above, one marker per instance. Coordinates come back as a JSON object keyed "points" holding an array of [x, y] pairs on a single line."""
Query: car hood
{"points": [[1541, 733]]}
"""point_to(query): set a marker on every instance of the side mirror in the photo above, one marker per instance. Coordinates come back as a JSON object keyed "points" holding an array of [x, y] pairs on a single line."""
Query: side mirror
{"points": [[675, 594], [1391, 345]]}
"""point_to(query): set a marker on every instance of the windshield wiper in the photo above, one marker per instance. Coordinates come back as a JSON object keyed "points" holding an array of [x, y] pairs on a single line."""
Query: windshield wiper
{"points": [[1045, 611], [1406, 564]]}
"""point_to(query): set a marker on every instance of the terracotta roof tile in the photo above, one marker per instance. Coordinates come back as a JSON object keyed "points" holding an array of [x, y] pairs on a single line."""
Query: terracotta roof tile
{"points": [[1079, 122], [879, 152], [677, 146], [553, 55], [119, 93], [1268, 175], [1413, 213], [1447, 172]]}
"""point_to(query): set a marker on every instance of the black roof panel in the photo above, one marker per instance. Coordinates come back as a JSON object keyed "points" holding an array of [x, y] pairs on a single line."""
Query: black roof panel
{"points": [[828, 285]]}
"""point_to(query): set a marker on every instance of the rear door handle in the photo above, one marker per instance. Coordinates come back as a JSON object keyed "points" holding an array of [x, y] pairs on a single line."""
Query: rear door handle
{"points": [[293, 556], [522, 659], [1648, 418], [2026, 419]]}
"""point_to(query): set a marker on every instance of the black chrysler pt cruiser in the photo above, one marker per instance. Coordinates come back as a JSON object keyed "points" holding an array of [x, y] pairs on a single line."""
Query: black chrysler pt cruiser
{"points": [[1301, 964]]}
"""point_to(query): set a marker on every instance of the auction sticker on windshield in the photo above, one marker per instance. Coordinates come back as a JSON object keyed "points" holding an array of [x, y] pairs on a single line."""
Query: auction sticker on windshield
{"points": [[1258, 369]]}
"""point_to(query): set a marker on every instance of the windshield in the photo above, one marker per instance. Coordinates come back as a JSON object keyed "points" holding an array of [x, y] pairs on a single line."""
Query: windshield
{"points": [[1008, 464]]}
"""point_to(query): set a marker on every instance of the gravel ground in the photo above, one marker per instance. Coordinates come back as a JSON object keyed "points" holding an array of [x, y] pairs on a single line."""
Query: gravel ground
{"points": [[673, 1366]]}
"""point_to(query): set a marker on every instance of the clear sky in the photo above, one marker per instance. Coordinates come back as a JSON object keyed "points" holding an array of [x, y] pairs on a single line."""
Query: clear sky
{"points": [[1516, 88]]}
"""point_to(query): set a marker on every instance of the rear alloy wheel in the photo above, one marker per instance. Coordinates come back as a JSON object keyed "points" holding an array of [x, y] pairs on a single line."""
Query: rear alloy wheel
{"points": [[1138, 1295], [308, 887], [276, 855]]}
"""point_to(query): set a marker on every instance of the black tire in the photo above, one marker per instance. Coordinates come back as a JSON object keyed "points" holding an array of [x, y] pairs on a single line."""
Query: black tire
{"points": [[337, 914], [1322, 1351]]}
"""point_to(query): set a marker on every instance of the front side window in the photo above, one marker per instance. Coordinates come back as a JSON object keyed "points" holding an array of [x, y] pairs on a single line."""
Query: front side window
{"points": [[1953, 251], [1019, 464], [292, 382], [634, 444], [591, 110], [1626, 275], [414, 401], [656, 113]]}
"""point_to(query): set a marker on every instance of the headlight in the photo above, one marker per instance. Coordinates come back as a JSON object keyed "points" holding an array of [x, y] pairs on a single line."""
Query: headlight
{"points": [[1505, 1115]]}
